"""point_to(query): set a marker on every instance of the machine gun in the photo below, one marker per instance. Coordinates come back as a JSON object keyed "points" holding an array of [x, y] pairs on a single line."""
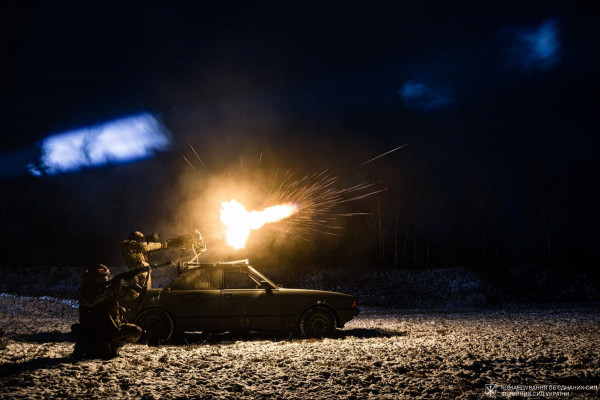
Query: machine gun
{"points": [[193, 241]]}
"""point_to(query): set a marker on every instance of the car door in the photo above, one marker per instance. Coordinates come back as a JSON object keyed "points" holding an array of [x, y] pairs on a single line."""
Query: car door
{"points": [[194, 299], [245, 307]]}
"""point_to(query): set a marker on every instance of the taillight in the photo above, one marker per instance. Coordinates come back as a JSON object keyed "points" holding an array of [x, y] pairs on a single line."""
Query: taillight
{"points": [[354, 304]]}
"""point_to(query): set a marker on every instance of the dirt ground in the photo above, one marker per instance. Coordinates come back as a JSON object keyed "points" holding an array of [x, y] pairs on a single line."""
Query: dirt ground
{"points": [[380, 355]]}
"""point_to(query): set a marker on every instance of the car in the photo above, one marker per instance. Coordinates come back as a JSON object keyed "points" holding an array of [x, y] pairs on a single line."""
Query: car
{"points": [[234, 297]]}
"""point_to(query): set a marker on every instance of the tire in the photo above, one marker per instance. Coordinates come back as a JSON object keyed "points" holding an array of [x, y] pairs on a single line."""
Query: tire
{"points": [[317, 322], [157, 326]]}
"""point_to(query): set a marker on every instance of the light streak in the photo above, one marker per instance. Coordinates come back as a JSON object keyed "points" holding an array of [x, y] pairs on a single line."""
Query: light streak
{"points": [[119, 141], [197, 156], [190, 164], [379, 156]]}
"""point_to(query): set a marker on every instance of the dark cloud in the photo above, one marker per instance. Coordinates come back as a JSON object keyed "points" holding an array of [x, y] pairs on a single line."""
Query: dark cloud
{"points": [[532, 48], [416, 95]]}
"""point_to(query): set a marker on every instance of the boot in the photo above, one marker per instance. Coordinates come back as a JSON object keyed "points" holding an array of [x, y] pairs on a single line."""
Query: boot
{"points": [[78, 350], [107, 352]]}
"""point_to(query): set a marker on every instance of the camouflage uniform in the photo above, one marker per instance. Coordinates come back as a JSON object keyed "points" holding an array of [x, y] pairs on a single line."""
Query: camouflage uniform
{"points": [[136, 250], [101, 330]]}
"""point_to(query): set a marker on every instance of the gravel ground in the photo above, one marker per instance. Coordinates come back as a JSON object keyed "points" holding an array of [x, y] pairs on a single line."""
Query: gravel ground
{"points": [[381, 354]]}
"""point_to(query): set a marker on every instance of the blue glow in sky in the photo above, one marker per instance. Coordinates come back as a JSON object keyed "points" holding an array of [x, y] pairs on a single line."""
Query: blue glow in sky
{"points": [[416, 95], [533, 48], [120, 141]]}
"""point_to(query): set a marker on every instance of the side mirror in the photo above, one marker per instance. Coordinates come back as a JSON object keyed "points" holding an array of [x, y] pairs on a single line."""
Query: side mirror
{"points": [[265, 285]]}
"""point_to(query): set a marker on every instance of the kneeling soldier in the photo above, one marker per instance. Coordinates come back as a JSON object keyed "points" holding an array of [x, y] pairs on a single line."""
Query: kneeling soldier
{"points": [[102, 330]]}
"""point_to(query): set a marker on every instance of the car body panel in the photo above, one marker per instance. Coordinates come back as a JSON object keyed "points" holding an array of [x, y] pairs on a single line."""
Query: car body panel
{"points": [[250, 309], [193, 309], [297, 301]]}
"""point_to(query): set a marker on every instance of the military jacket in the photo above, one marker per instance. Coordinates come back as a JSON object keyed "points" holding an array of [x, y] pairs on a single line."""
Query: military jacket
{"points": [[136, 253]]}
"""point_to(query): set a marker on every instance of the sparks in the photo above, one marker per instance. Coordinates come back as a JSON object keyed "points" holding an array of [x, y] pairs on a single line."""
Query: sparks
{"points": [[317, 197], [239, 222]]}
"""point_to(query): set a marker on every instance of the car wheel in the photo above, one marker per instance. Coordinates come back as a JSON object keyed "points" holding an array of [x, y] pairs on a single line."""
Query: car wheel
{"points": [[157, 326], [317, 322]]}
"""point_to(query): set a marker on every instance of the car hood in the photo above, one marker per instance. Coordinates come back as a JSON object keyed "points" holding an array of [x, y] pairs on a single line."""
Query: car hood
{"points": [[334, 298]]}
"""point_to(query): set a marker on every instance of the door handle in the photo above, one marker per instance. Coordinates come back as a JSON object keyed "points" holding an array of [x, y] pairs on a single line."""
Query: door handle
{"points": [[227, 294]]}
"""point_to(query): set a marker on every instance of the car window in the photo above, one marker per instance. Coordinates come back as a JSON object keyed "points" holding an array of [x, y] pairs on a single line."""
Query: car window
{"points": [[196, 279], [238, 279]]}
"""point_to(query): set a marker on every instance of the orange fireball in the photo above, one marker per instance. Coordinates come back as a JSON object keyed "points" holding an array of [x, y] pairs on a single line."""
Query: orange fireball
{"points": [[239, 222]]}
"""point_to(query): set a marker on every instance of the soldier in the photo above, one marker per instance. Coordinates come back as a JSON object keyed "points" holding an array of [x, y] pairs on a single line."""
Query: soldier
{"points": [[101, 330], [137, 248]]}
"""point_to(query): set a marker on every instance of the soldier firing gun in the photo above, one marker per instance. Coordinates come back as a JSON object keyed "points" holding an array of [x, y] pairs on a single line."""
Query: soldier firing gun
{"points": [[137, 248]]}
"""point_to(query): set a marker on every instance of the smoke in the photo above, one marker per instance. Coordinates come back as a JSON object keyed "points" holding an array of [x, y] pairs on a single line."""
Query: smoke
{"points": [[260, 182], [200, 196]]}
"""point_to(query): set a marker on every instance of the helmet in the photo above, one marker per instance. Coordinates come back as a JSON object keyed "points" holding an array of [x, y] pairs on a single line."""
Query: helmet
{"points": [[97, 273], [137, 235]]}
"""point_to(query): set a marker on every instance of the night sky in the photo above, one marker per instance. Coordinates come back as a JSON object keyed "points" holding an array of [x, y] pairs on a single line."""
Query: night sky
{"points": [[497, 102]]}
